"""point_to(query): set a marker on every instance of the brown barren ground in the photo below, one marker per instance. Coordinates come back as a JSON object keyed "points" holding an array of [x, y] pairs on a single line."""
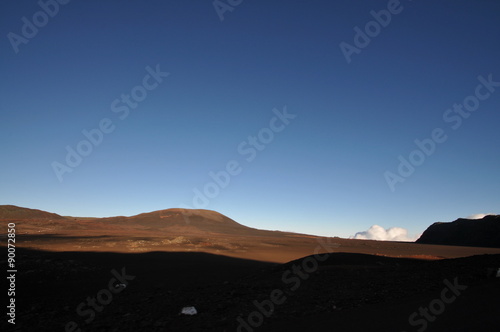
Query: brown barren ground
{"points": [[205, 231]]}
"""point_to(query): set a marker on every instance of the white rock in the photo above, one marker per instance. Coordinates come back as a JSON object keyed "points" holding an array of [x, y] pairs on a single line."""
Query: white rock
{"points": [[189, 311]]}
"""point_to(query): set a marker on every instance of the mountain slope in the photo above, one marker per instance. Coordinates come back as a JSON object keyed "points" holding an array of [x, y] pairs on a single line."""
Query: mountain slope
{"points": [[170, 222], [465, 232], [16, 212], [186, 221]]}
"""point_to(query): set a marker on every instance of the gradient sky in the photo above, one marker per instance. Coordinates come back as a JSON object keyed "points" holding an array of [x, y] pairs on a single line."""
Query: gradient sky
{"points": [[323, 173]]}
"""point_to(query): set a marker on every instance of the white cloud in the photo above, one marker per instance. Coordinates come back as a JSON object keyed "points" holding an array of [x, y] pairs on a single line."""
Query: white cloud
{"points": [[379, 233], [479, 215]]}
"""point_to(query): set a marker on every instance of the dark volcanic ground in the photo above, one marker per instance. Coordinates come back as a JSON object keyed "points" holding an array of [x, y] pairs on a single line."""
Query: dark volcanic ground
{"points": [[334, 292]]}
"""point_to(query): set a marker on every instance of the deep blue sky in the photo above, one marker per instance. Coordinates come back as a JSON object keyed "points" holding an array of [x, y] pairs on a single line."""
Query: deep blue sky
{"points": [[322, 174]]}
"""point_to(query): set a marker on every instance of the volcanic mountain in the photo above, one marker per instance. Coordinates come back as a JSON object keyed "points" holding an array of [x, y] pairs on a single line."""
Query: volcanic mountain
{"points": [[184, 221], [483, 232], [163, 230], [170, 221]]}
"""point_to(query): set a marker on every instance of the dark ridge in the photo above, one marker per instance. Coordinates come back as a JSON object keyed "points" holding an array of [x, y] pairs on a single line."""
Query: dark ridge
{"points": [[483, 232]]}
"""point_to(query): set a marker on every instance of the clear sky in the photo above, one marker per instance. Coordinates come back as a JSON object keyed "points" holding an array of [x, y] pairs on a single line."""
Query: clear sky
{"points": [[308, 107]]}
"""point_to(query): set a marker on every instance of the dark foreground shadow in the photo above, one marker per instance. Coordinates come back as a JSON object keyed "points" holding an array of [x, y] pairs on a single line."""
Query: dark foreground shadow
{"points": [[91, 291]]}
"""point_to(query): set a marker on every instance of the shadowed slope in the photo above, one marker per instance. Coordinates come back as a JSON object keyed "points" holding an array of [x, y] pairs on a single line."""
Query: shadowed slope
{"points": [[465, 232]]}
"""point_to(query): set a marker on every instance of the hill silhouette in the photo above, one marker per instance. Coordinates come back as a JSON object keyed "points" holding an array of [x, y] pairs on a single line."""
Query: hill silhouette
{"points": [[483, 232]]}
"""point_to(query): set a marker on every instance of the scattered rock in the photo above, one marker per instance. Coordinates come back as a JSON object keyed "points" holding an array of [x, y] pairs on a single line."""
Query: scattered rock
{"points": [[189, 311]]}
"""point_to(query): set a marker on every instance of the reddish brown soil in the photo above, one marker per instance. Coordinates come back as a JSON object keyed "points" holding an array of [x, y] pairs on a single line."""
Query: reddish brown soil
{"points": [[205, 231]]}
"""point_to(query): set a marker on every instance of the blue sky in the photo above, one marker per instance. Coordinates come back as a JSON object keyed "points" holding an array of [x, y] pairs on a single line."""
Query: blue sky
{"points": [[323, 172]]}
